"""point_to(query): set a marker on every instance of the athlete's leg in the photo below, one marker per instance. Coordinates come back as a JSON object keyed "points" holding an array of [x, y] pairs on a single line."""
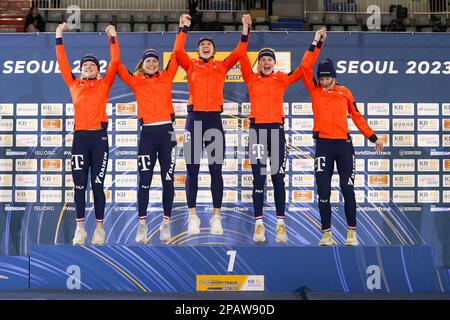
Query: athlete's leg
{"points": [[147, 156], [80, 163], [278, 165], [192, 148], [214, 135], [167, 157], [323, 169], [258, 155], [346, 168], [99, 162], [278, 158]]}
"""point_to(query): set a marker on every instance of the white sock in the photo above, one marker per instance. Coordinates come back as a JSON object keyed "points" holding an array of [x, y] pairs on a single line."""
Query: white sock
{"points": [[259, 221], [280, 221]]}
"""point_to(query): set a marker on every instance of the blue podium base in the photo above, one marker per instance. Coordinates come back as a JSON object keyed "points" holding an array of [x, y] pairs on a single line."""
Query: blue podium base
{"points": [[235, 268]]}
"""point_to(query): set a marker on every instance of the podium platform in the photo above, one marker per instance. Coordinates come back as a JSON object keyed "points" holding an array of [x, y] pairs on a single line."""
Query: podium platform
{"points": [[140, 268]]}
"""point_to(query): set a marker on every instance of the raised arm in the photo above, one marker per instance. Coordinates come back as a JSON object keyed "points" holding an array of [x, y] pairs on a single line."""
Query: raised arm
{"points": [[233, 58], [114, 53], [64, 66], [172, 66], [309, 58], [181, 56], [246, 67], [305, 71]]}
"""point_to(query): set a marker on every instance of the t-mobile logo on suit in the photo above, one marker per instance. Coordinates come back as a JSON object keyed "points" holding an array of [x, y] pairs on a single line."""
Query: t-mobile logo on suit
{"points": [[319, 164], [258, 150], [144, 162], [77, 162]]}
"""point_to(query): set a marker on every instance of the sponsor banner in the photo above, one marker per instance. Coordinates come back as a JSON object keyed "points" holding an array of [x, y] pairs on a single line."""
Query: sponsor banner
{"points": [[403, 109], [400, 181], [302, 109], [403, 124], [229, 282], [403, 140], [378, 109], [403, 196], [126, 109], [428, 109], [428, 196]]}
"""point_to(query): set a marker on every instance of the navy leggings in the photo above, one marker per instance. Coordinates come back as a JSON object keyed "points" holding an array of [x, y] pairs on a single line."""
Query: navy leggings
{"points": [[204, 129], [89, 150], [156, 143], [327, 152], [267, 141]]}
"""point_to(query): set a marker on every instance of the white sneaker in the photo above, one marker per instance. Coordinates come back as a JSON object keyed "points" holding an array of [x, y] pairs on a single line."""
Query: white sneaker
{"points": [[164, 232], [194, 225], [216, 225], [79, 237], [141, 234], [98, 238], [259, 235], [281, 233]]}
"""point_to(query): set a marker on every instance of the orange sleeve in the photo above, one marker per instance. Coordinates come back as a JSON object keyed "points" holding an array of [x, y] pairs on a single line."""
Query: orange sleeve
{"points": [[233, 58], [307, 77], [358, 119], [172, 66], [182, 57], [308, 61], [306, 67], [114, 53], [63, 63], [244, 61], [125, 75]]}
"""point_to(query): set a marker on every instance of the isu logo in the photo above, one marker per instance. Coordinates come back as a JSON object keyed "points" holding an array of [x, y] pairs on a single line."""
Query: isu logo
{"points": [[51, 164], [303, 196], [123, 108], [51, 124]]}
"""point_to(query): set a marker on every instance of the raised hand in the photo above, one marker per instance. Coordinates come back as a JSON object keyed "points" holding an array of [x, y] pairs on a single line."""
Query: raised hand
{"points": [[246, 20], [111, 31], [321, 34], [186, 20], [60, 29]]}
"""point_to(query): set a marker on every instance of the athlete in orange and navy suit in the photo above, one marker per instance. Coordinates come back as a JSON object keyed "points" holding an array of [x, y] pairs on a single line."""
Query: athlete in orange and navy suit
{"points": [[267, 137], [153, 90], [206, 77], [90, 143], [331, 102]]}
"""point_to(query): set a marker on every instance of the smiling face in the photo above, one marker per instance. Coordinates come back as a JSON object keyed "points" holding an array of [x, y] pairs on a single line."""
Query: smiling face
{"points": [[327, 83], [89, 70], [205, 49], [266, 65], [151, 65]]}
